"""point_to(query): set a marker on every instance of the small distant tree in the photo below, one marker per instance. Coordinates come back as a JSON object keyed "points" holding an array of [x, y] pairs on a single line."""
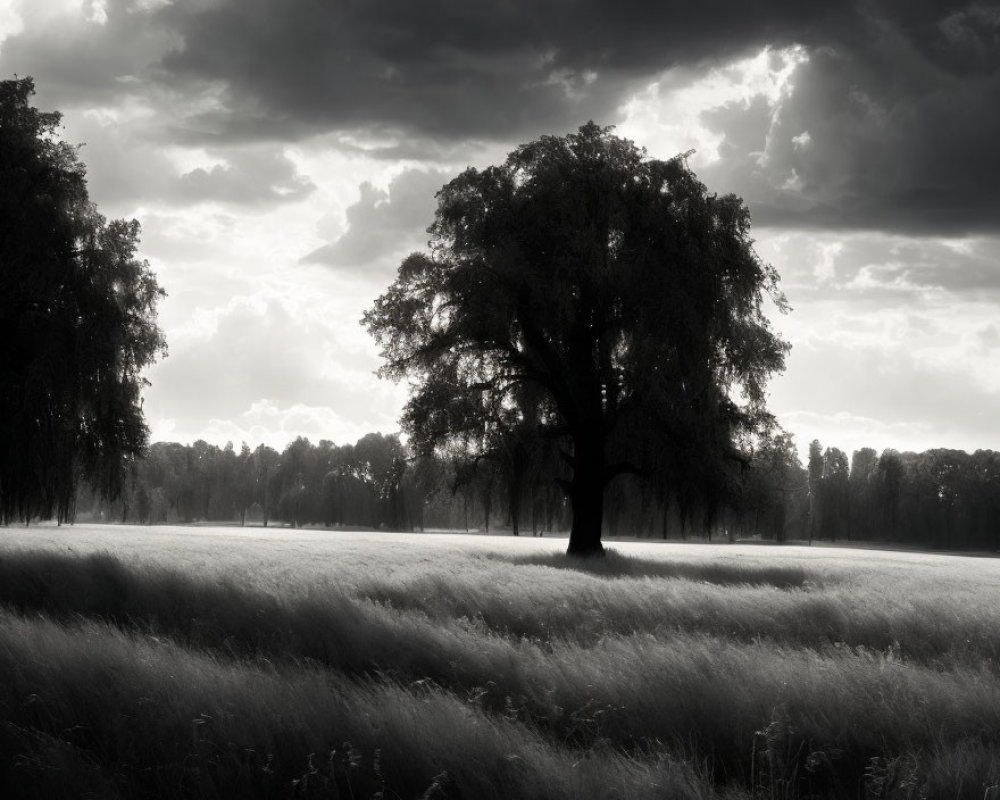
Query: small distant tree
{"points": [[379, 463], [815, 477], [77, 323], [836, 493], [775, 488], [266, 461], [889, 473], [862, 489], [619, 289]]}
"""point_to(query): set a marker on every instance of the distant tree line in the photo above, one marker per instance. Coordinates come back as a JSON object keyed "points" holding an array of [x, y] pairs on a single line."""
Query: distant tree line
{"points": [[942, 499], [373, 483]]}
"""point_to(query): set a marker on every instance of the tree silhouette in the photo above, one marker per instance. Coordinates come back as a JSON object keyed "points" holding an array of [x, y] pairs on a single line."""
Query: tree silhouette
{"points": [[835, 492], [77, 322], [815, 468], [628, 297]]}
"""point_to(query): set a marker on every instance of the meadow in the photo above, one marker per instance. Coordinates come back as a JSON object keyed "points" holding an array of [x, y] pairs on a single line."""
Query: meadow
{"points": [[228, 662]]}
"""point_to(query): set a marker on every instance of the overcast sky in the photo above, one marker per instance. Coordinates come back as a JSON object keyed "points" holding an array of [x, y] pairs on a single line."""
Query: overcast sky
{"points": [[283, 155]]}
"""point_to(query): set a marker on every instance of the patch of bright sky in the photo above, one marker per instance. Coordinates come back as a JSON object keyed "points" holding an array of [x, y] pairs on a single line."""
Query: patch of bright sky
{"points": [[128, 110], [666, 115], [269, 423], [825, 269], [11, 21], [41, 12], [338, 175], [96, 11], [188, 159], [856, 299], [850, 432]]}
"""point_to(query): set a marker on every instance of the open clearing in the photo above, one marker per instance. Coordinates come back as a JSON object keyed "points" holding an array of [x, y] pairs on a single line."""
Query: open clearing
{"points": [[228, 662]]}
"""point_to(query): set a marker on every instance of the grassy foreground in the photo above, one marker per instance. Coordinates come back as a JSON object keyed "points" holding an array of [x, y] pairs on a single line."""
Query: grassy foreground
{"points": [[182, 662]]}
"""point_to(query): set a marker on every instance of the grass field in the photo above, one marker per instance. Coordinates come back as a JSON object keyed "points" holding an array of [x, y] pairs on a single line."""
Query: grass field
{"points": [[228, 662]]}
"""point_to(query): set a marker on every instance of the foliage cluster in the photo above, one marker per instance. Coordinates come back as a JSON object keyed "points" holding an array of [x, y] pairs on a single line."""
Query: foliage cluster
{"points": [[941, 499], [77, 322], [359, 484], [584, 295]]}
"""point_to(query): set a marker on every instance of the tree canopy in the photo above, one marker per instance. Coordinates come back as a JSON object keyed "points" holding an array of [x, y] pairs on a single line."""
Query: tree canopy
{"points": [[77, 322], [604, 298]]}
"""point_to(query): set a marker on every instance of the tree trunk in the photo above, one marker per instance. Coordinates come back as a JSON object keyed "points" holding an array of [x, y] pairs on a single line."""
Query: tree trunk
{"points": [[534, 512], [515, 508], [587, 496]]}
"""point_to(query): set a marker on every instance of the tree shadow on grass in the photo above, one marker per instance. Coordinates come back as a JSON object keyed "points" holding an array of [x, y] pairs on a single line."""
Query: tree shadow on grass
{"points": [[618, 565]]}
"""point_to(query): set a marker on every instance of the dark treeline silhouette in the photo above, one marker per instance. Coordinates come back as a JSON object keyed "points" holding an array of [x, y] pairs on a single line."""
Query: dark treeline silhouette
{"points": [[941, 499], [373, 483]]}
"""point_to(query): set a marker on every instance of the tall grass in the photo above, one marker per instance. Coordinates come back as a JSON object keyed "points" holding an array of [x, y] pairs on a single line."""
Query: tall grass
{"points": [[90, 708], [517, 673]]}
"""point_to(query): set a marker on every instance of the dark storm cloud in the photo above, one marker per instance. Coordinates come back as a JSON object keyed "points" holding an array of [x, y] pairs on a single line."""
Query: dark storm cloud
{"points": [[77, 63], [891, 128], [890, 124], [491, 69], [850, 151]]}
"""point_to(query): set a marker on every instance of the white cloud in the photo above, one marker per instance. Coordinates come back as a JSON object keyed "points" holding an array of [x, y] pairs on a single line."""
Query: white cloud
{"points": [[384, 223], [668, 116], [267, 422], [11, 22], [894, 347]]}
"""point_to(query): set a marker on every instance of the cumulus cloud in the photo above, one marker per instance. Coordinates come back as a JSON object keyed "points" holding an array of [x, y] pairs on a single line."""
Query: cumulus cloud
{"points": [[267, 422], [873, 270], [249, 177], [125, 169], [262, 354], [904, 401], [382, 223], [895, 346]]}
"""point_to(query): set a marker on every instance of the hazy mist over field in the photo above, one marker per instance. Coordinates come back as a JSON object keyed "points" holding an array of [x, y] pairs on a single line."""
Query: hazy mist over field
{"points": [[283, 157]]}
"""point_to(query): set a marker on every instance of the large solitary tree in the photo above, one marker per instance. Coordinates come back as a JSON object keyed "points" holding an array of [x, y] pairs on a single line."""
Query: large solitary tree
{"points": [[77, 322], [611, 288]]}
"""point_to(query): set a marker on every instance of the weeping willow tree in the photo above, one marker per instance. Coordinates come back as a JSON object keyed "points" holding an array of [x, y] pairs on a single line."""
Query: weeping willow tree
{"points": [[77, 323], [617, 288]]}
